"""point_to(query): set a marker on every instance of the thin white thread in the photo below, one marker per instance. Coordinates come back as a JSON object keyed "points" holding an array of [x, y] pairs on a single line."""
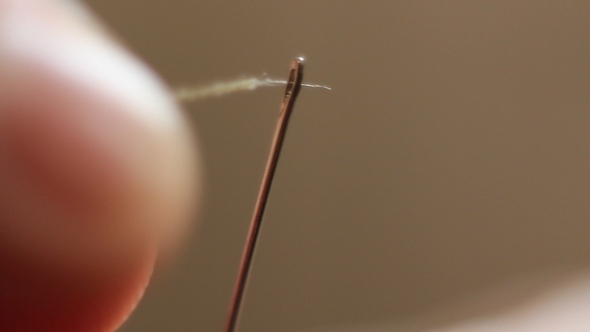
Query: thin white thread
{"points": [[188, 94]]}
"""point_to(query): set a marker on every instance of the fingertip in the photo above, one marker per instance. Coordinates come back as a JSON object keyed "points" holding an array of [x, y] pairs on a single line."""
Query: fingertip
{"points": [[98, 166]]}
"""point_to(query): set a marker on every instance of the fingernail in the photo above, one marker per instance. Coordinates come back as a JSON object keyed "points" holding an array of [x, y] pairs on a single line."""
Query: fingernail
{"points": [[40, 34]]}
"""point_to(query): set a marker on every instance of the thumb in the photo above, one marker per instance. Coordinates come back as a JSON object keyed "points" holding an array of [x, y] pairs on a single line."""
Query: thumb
{"points": [[96, 170]]}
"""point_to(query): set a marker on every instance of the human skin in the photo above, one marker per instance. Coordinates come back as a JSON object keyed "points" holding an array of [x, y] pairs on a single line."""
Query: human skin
{"points": [[98, 171]]}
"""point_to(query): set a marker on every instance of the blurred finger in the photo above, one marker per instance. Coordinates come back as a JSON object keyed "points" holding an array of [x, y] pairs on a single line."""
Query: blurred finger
{"points": [[96, 162]]}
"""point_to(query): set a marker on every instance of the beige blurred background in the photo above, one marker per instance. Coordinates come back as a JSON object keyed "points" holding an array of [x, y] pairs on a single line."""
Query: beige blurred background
{"points": [[452, 155]]}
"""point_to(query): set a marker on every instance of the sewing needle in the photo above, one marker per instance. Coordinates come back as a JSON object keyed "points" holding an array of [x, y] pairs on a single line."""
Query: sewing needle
{"points": [[291, 92]]}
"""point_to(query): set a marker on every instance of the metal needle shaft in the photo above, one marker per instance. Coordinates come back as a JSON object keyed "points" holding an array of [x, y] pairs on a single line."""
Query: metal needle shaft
{"points": [[291, 92]]}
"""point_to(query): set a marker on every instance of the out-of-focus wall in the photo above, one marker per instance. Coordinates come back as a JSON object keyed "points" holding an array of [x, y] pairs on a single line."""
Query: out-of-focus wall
{"points": [[453, 153]]}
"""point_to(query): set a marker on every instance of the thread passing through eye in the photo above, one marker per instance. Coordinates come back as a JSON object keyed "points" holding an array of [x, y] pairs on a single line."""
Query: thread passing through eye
{"points": [[189, 94]]}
